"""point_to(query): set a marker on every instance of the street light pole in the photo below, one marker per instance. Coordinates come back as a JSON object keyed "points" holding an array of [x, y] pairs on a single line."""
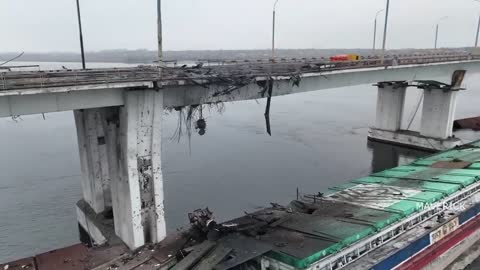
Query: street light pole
{"points": [[160, 34], [478, 31], [273, 31], [385, 31], [81, 34], [375, 29], [478, 28], [437, 29]]}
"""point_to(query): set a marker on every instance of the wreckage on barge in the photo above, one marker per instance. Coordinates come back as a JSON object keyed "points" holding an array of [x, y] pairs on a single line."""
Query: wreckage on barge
{"points": [[408, 217]]}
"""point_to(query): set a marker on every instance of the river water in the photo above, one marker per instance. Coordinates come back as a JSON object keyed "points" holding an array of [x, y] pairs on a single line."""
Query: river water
{"points": [[318, 140]]}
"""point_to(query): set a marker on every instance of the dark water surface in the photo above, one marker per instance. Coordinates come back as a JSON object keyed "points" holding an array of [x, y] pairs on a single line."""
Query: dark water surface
{"points": [[319, 140]]}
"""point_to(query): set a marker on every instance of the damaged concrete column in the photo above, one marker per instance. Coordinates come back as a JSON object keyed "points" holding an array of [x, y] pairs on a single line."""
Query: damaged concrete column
{"points": [[95, 172], [390, 104], [438, 114], [135, 151], [93, 159]]}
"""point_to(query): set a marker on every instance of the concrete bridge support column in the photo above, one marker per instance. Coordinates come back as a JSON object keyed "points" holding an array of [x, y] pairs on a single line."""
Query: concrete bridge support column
{"points": [[437, 117], [390, 104], [95, 171], [120, 153], [134, 143], [438, 113], [93, 158]]}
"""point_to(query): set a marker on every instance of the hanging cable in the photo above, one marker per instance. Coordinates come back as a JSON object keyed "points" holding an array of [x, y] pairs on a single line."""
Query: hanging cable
{"points": [[416, 111], [14, 58]]}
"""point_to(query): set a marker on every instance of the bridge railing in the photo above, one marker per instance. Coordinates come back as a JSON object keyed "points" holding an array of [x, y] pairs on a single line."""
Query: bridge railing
{"points": [[309, 66], [61, 78], [216, 62]]}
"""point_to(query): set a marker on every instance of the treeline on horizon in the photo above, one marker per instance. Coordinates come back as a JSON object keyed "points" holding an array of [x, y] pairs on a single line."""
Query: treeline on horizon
{"points": [[147, 56]]}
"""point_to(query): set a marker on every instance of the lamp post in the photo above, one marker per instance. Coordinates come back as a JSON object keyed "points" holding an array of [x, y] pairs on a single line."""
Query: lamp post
{"points": [[81, 34], [273, 31], [385, 31], [478, 31], [375, 29], [478, 28], [436, 30], [159, 32]]}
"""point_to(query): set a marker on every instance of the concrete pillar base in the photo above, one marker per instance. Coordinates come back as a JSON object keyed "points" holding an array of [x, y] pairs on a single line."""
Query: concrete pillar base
{"points": [[98, 228], [413, 140]]}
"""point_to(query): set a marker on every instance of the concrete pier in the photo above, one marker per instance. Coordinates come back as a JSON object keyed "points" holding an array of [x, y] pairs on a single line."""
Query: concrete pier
{"points": [[439, 104], [120, 153], [390, 104], [93, 158], [137, 194], [438, 114]]}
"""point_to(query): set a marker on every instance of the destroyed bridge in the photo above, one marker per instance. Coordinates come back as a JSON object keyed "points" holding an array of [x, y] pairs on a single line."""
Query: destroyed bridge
{"points": [[118, 115]]}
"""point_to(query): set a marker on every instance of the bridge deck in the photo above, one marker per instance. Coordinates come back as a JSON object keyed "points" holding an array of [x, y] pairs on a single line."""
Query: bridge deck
{"points": [[239, 73]]}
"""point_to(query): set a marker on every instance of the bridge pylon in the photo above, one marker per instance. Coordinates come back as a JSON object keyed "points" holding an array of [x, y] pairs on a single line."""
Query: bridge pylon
{"points": [[120, 153], [437, 116]]}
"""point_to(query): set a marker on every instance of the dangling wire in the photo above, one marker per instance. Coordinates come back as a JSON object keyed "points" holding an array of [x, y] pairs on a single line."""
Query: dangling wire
{"points": [[416, 111], [269, 89], [13, 59]]}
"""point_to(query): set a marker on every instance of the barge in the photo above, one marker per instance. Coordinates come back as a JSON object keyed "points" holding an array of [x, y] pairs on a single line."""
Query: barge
{"points": [[418, 216]]}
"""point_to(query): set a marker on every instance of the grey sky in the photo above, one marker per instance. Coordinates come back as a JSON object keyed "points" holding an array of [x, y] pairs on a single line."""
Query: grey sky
{"points": [[50, 25]]}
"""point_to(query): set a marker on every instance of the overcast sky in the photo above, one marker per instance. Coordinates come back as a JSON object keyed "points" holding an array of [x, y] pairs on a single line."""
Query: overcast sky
{"points": [[51, 25]]}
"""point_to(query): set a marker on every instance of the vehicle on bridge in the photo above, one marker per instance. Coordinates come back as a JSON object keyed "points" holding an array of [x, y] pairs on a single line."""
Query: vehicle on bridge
{"points": [[344, 57]]}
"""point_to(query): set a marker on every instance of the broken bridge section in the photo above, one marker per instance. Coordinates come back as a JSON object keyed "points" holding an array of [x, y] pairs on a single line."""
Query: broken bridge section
{"points": [[437, 116], [33, 92]]}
